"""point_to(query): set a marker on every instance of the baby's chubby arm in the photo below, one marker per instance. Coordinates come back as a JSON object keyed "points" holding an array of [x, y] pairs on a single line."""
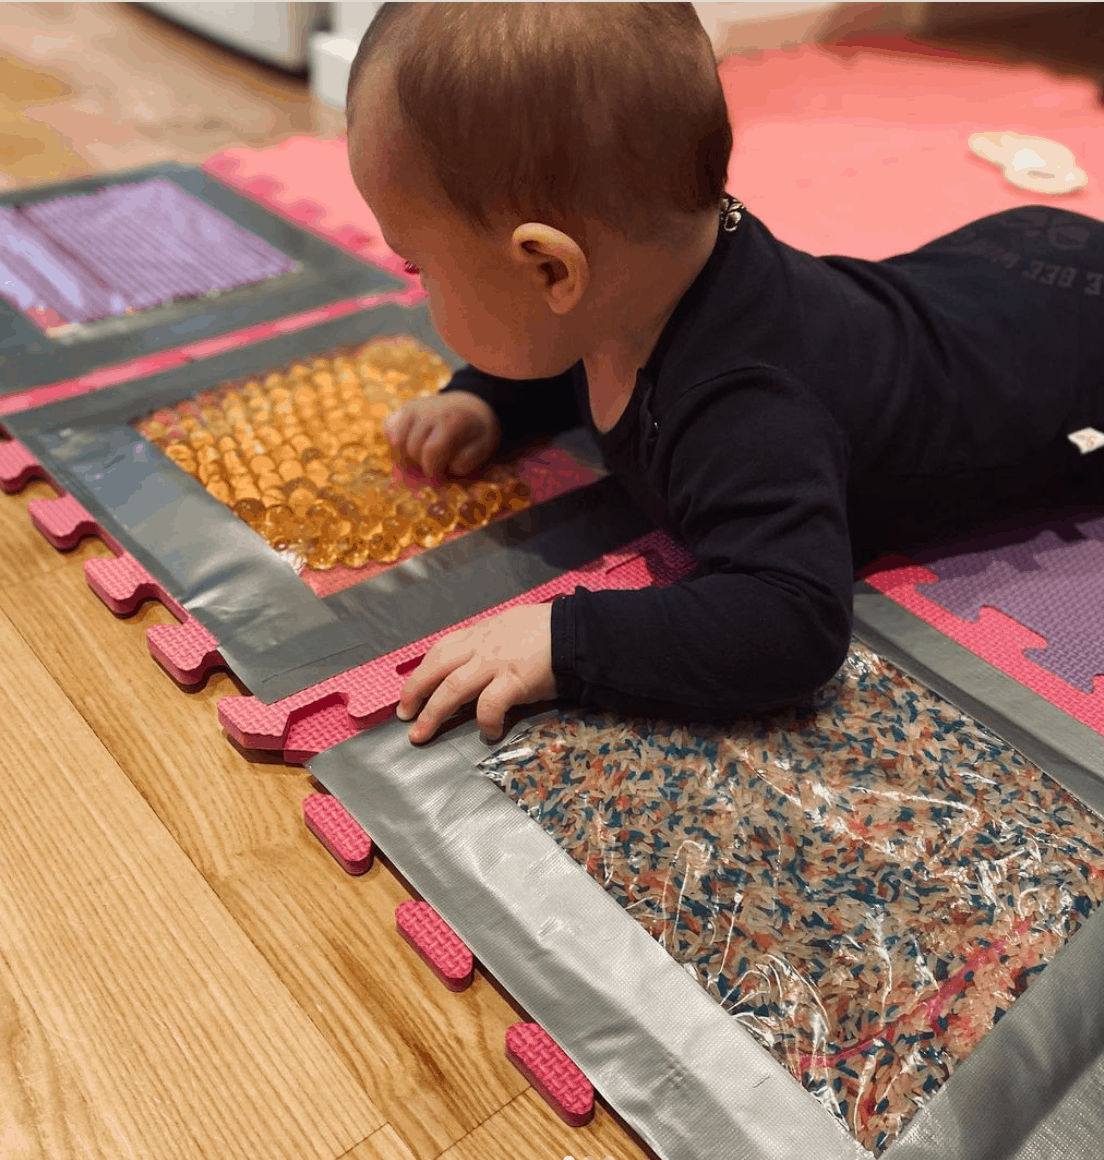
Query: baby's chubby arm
{"points": [[504, 660]]}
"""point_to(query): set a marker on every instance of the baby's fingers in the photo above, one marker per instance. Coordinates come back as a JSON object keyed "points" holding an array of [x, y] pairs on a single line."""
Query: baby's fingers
{"points": [[448, 654], [419, 434], [437, 449], [467, 458], [453, 693], [496, 700], [397, 426]]}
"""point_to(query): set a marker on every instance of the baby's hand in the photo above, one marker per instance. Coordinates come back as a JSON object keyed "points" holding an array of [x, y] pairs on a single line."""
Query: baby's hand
{"points": [[455, 430], [505, 660]]}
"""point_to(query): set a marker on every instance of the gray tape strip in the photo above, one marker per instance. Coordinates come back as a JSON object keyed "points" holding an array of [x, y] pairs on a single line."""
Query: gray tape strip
{"points": [[691, 1080], [273, 631], [660, 1051]]}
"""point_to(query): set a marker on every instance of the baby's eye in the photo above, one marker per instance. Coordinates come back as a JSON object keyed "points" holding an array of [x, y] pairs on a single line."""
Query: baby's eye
{"points": [[410, 268]]}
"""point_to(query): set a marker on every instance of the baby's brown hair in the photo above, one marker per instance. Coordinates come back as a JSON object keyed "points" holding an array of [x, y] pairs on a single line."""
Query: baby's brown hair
{"points": [[563, 112]]}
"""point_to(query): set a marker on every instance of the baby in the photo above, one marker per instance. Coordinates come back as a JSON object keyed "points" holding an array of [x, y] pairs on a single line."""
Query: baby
{"points": [[556, 174]]}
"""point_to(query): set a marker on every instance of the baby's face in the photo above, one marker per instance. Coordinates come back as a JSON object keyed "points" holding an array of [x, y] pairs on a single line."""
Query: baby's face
{"points": [[484, 302]]}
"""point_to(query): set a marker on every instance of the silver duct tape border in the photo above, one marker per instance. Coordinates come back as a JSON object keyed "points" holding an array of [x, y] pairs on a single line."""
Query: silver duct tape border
{"points": [[662, 1054], [691, 1080]]}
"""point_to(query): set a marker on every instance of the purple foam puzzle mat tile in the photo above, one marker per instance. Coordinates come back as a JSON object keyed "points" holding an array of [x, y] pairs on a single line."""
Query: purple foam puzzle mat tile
{"points": [[339, 832], [556, 1079], [1052, 587], [437, 944]]}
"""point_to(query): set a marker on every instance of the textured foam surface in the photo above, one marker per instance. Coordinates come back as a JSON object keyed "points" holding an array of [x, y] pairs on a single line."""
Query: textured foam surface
{"points": [[440, 947], [37, 273], [17, 466], [309, 722], [558, 1081], [309, 180], [64, 522], [122, 584], [186, 651], [130, 247], [332, 824], [1052, 587]]}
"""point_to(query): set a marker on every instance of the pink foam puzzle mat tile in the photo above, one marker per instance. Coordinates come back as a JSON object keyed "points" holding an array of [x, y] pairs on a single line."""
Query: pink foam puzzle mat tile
{"points": [[869, 748], [1030, 607], [436, 943], [17, 466], [186, 650], [308, 179], [200, 261], [546, 1066], [314, 720], [339, 832], [64, 522], [863, 149]]}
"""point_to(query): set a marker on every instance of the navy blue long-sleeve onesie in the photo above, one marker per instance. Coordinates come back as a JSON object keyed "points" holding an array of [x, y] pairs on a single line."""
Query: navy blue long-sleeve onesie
{"points": [[799, 416]]}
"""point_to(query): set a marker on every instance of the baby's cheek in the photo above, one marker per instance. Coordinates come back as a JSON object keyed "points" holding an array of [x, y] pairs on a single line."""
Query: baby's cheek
{"points": [[452, 321]]}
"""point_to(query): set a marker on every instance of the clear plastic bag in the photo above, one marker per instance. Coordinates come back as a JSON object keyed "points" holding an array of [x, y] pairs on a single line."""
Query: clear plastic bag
{"points": [[866, 884], [300, 455]]}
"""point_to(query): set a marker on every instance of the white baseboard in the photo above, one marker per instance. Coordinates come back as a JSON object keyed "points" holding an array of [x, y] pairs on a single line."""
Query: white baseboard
{"points": [[330, 60]]}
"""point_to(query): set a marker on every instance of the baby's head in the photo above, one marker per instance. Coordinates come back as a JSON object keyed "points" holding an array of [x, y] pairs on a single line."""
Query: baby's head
{"points": [[538, 163]]}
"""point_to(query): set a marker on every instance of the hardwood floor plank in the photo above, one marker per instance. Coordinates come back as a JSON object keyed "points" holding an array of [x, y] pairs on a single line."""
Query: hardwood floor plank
{"points": [[143, 91], [138, 1018], [24, 551], [382, 1145], [432, 1061], [528, 1118]]}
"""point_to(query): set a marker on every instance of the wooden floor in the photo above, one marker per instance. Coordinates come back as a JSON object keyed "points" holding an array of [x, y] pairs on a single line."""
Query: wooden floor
{"points": [[184, 972]]}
